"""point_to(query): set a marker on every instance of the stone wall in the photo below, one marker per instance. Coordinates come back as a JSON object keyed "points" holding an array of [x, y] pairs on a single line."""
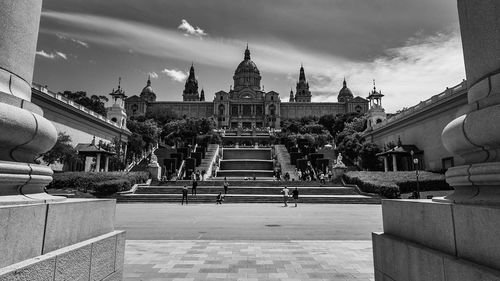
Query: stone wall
{"points": [[297, 110], [75, 120], [422, 126], [192, 109]]}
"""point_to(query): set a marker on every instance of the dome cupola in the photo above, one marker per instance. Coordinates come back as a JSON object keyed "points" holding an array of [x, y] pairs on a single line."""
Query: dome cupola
{"points": [[147, 92], [345, 93], [247, 74]]}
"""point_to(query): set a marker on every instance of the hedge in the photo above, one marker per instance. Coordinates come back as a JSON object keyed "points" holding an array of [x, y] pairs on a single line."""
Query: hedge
{"points": [[392, 184], [99, 183], [110, 187]]}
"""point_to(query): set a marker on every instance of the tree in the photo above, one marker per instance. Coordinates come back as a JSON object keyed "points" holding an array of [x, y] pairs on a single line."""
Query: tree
{"points": [[144, 134], [368, 156], [161, 115], [94, 102], [62, 151], [350, 146]]}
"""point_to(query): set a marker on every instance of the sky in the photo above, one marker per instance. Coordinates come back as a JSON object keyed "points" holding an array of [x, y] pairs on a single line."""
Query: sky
{"points": [[412, 49]]}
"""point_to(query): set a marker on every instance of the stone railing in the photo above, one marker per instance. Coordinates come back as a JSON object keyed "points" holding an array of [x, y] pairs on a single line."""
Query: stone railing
{"points": [[423, 104], [60, 97]]}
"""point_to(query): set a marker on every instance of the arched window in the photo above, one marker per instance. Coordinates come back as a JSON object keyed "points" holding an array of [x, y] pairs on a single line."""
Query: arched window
{"points": [[272, 109], [221, 109]]}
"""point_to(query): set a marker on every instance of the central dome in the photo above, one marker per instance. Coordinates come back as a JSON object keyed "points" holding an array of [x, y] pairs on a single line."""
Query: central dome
{"points": [[247, 74]]}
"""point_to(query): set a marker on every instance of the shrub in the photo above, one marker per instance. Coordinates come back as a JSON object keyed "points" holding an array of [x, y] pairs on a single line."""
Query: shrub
{"points": [[110, 187], [392, 184], [86, 181]]}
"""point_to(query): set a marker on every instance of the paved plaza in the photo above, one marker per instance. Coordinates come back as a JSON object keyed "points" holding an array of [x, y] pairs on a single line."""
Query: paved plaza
{"points": [[248, 241], [248, 260]]}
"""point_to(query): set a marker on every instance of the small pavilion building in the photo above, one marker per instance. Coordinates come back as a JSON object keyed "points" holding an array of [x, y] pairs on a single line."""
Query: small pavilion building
{"points": [[94, 154]]}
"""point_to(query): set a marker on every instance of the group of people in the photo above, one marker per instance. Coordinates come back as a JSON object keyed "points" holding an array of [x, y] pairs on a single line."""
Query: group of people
{"points": [[309, 175], [220, 197], [286, 195], [198, 176], [278, 175]]}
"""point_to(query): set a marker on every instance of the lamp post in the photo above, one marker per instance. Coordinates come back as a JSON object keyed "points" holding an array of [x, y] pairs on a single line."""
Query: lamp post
{"points": [[415, 167]]}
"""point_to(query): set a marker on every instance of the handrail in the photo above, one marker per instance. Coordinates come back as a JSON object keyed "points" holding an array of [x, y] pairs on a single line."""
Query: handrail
{"points": [[405, 112], [212, 162], [181, 172], [61, 98]]}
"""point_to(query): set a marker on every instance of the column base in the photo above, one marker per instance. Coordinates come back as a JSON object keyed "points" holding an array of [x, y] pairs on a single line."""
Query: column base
{"points": [[476, 184], [426, 240], [23, 183]]}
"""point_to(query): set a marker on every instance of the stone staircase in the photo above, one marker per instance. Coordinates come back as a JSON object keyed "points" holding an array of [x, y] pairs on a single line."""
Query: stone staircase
{"points": [[207, 161], [246, 163], [141, 166], [284, 159], [248, 194]]}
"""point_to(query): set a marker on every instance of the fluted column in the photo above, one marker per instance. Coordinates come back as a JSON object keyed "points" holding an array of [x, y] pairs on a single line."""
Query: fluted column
{"points": [[475, 136], [24, 133]]}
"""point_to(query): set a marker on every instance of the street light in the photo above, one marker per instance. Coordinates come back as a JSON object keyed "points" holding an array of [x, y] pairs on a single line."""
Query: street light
{"points": [[415, 167]]}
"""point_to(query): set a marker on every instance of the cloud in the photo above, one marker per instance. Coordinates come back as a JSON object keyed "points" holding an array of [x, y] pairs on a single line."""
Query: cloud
{"points": [[191, 30], [415, 71], [79, 42], [61, 55], [44, 54], [153, 75], [175, 75], [54, 55]]}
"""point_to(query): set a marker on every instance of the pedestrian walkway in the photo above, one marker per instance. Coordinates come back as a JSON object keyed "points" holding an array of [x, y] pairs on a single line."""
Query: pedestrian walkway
{"points": [[198, 260]]}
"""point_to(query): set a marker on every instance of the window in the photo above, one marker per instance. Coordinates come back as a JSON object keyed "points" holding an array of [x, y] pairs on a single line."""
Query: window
{"points": [[247, 110], [113, 119], [379, 121], [221, 109], [272, 109], [234, 110], [358, 109], [447, 163]]}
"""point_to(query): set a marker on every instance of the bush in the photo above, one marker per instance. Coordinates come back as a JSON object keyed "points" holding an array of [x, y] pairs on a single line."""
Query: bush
{"points": [[87, 181], [109, 187], [392, 184]]}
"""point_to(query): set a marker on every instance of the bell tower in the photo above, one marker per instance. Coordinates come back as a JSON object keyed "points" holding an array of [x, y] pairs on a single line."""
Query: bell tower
{"points": [[191, 87]]}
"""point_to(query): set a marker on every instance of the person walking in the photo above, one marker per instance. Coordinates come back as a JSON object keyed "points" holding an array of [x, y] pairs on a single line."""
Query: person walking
{"points": [[193, 188], [285, 192], [295, 195], [226, 185], [184, 195]]}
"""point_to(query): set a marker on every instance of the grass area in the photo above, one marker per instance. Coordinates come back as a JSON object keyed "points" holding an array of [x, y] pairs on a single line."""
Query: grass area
{"points": [[393, 184]]}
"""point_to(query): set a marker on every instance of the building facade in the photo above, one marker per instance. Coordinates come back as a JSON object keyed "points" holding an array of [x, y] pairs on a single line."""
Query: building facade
{"points": [[246, 105]]}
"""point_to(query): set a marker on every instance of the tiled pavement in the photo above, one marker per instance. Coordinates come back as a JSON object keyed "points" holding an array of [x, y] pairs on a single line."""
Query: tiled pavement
{"points": [[195, 260]]}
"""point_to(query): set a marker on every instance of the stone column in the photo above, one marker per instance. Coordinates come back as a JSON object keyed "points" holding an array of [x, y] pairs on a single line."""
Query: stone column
{"points": [[106, 163], [394, 163], [475, 136], [386, 164], [98, 163], [25, 132]]}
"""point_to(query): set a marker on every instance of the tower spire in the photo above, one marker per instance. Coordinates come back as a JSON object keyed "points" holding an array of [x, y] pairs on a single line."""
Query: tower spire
{"points": [[302, 75], [247, 53], [149, 80]]}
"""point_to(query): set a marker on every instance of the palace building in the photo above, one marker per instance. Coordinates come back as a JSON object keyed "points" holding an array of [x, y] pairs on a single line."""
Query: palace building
{"points": [[246, 104]]}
